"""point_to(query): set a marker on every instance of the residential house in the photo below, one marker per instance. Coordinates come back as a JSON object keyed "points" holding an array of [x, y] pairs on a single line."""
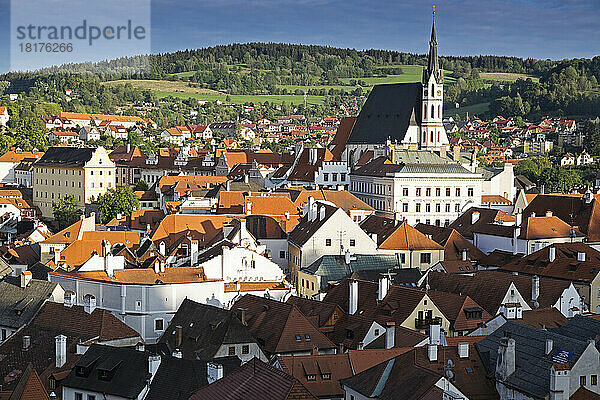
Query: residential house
{"points": [[571, 262], [532, 363], [204, 332], [63, 137], [84, 173], [11, 159], [324, 229], [280, 328], [4, 117], [21, 298], [87, 133], [249, 382]]}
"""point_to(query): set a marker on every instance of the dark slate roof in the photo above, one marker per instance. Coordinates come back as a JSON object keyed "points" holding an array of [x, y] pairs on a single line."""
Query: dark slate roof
{"points": [[66, 157], [532, 373], [394, 379], [204, 330], [306, 229], [255, 380], [399, 276], [19, 305], [410, 161], [387, 113], [264, 227], [581, 328], [128, 371], [178, 379], [334, 267]]}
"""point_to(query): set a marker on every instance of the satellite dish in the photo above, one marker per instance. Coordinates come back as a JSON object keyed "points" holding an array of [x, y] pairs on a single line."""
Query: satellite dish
{"points": [[450, 363]]}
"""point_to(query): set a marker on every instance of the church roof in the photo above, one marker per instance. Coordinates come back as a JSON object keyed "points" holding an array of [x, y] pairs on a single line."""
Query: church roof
{"points": [[387, 113]]}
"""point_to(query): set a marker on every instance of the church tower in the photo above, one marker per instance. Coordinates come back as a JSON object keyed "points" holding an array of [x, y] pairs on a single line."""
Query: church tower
{"points": [[433, 135]]}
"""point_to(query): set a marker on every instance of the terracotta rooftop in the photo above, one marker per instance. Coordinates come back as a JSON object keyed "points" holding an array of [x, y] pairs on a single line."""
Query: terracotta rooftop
{"points": [[140, 276], [405, 237]]}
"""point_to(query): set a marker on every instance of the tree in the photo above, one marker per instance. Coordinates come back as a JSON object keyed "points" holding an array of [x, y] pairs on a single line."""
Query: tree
{"points": [[533, 167], [117, 201], [141, 185], [65, 211]]}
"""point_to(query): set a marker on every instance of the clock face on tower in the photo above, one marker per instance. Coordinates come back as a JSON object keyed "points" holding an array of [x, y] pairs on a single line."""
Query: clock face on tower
{"points": [[439, 92]]}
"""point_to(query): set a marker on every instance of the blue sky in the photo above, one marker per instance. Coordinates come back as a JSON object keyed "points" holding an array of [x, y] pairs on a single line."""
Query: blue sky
{"points": [[524, 28]]}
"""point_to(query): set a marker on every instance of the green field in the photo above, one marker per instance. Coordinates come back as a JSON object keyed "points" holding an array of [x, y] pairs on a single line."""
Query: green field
{"points": [[506, 76], [246, 98], [475, 109]]}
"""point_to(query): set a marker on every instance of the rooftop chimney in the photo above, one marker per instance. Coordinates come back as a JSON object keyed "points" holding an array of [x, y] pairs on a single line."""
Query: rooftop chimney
{"points": [[178, 336], [475, 217], [465, 253], [432, 351], [552, 253], [249, 208], [69, 298], [353, 300], [505, 362], [89, 303], [535, 288], [549, 345], [347, 257], [463, 350], [56, 256], [214, 372], [580, 256], [153, 364], [61, 350], [390, 335], [243, 316], [548, 213], [26, 342], [177, 353], [322, 213], [384, 285], [25, 278], [435, 336]]}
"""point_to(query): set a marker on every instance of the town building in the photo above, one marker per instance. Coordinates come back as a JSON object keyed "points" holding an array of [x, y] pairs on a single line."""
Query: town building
{"points": [[418, 187], [85, 173]]}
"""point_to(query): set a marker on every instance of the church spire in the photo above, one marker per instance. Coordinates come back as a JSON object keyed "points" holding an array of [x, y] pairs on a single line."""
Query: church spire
{"points": [[433, 66]]}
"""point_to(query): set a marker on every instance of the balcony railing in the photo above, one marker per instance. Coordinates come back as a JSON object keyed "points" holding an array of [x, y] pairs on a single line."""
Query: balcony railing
{"points": [[424, 323]]}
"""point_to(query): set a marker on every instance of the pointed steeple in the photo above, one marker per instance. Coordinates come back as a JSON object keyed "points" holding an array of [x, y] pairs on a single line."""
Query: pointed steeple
{"points": [[433, 65]]}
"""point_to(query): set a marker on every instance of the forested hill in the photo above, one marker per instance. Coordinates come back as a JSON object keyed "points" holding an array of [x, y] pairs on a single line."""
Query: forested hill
{"points": [[342, 62]]}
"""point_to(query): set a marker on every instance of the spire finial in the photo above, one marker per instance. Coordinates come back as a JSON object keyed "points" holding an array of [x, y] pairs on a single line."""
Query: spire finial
{"points": [[434, 11]]}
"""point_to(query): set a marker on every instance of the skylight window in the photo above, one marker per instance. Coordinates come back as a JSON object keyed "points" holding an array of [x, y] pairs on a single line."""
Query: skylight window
{"points": [[298, 338], [307, 337]]}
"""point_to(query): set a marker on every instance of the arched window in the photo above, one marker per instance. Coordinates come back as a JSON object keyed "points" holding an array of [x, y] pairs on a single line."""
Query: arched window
{"points": [[432, 112], [424, 137], [432, 92], [438, 136], [425, 111], [440, 111], [431, 136]]}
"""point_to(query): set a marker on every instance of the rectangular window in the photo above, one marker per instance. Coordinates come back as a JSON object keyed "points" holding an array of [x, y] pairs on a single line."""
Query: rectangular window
{"points": [[404, 191], [352, 242], [457, 192], [91, 397], [427, 207], [159, 324], [582, 380], [447, 207], [470, 192], [334, 177], [326, 177], [282, 254], [245, 349], [342, 177], [428, 192], [402, 258], [404, 207], [418, 192], [438, 207], [447, 192], [457, 208], [232, 350], [594, 380], [418, 209], [327, 242], [78, 396], [425, 258], [438, 192]]}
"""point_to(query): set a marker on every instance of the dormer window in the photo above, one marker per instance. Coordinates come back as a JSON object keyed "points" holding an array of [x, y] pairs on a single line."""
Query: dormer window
{"points": [[311, 377], [326, 377]]}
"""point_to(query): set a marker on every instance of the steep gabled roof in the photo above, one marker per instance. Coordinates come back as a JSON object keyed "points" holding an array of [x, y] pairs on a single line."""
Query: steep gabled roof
{"points": [[74, 157], [255, 380], [405, 237], [205, 329], [30, 387], [387, 113], [280, 327]]}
